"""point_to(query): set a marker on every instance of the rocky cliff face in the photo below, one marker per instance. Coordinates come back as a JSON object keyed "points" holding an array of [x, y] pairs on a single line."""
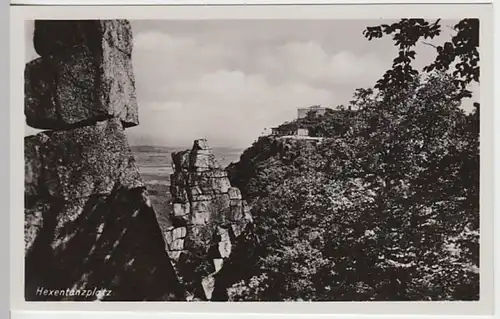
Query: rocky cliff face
{"points": [[88, 221], [84, 73], [208, 216]]}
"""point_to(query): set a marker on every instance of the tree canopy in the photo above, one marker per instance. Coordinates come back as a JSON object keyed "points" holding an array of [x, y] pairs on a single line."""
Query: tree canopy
{"points": [[460, 53], [386, 207]]}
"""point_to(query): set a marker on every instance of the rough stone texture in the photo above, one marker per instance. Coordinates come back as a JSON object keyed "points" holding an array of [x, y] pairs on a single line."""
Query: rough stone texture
{"points": [[33, 164], [234, 193], [79, 84], [55, 36], [117, 87], [80, 162], [217, 264], [179, 195], [110, 241], [89, 223], [213, 214], [208, 284], [174, 238], [181, 159], [201, 144], [33, 223], [224, 244], [202, 162], [181, 209]]}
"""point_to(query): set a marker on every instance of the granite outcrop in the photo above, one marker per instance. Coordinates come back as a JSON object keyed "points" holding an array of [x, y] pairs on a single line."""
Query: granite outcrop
{"points": [[89, 223], [84, 74], [208, 216]]}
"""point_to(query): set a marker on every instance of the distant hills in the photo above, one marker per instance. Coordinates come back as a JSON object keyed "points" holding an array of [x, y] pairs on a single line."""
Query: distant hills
{"points": [[148, 155], [155, 149], [169, 149]]}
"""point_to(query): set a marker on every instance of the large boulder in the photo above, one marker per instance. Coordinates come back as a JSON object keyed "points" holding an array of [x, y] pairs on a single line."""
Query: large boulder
{"points": [[56, 36], [78, 84], [88, 219], [89, 224], [33, 164], [104, 241], [80, 162], [210, 216]]}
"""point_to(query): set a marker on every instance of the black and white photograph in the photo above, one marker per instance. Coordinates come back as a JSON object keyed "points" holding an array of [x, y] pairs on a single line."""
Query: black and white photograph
{"points": [[235, 160]]}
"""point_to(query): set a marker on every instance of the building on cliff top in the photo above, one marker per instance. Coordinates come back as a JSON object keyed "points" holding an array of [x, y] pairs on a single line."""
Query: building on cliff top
{"points": [[302, 111], [298, 131], [277, 131]]}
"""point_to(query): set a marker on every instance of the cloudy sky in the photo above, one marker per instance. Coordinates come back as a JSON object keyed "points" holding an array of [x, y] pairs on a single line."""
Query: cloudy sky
{"points": [[230, 80]]}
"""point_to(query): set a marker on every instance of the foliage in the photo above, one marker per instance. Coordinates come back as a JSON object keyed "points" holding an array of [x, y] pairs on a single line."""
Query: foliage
{"points": [[388, 212], [196, 261], [194, 265], [460, 53], [334, 123], [386, 208]]}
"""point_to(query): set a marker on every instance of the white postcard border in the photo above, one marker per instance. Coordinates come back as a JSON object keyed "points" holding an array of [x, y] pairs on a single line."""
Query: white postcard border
{"points": [[484, 12]]}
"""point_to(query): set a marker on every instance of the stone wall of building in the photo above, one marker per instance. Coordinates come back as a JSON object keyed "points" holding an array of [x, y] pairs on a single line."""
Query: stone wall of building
{"points": [[88, 221], [303, 111]]}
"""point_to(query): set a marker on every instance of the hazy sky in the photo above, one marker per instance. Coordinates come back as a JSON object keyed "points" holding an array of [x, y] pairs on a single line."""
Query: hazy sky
{"points": [[229, 80]]}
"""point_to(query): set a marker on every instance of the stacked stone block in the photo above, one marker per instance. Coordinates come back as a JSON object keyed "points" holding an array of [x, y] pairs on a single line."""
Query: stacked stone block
{"points": [[88, 220], [84, 74], [206, 211]]}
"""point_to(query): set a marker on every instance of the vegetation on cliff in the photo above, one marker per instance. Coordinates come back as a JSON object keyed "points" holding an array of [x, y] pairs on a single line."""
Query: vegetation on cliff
{"points": [[332, 123], [387, 206]]}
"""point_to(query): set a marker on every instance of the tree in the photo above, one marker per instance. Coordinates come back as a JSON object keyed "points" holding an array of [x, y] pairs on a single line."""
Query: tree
{"points": [[414, 159], [460, 54], [387, 210], [380, 214]]}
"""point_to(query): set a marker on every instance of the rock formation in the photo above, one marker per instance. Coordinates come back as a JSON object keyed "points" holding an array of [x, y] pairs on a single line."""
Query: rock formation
{"points": [[84, 74], [88, 221], [208, 216]]}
